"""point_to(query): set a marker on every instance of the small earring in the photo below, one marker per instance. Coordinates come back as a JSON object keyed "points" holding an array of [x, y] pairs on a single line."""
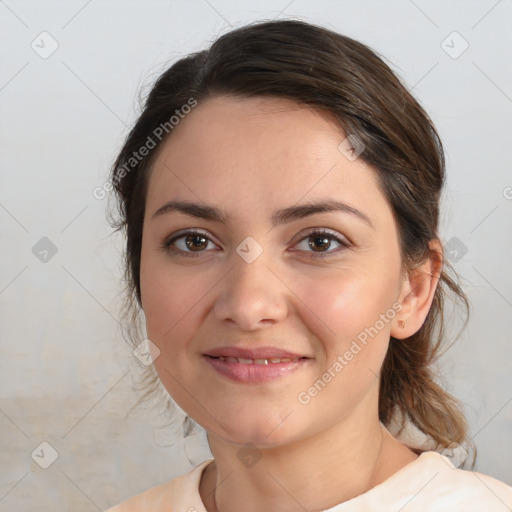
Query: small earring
{"points": [[401, 324]]}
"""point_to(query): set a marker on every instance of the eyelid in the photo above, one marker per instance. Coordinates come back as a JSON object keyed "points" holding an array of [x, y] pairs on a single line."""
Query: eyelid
{"points": [[188, 231], [167, 243], [326, 231], [343, 241]]}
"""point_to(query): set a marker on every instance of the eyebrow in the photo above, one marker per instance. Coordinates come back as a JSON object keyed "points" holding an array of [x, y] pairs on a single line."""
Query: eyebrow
{"points": [[282, 216]]}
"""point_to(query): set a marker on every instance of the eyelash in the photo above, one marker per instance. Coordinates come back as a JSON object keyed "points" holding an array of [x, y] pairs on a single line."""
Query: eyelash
{"points": [[166, 245]]}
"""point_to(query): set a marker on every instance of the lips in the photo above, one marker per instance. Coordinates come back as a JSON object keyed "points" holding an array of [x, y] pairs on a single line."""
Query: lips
{"points": [[256, 365], [261, 355], [265, 360]]}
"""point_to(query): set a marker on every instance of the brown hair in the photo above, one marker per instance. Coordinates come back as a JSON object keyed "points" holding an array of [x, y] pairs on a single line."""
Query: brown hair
{"points": [[321, 68]]}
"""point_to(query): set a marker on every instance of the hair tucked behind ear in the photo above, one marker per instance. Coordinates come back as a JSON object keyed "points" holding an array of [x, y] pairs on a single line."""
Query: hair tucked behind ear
{"points": [[320, 68], [409, 381]]}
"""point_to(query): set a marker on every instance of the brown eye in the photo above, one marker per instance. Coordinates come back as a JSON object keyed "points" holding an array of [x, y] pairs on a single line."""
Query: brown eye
{"points": [[196, 242], [321, 241], [187, 243]]}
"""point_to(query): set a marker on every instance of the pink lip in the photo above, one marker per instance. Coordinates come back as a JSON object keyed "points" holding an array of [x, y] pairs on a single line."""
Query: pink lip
{"points": [[252, 373]]}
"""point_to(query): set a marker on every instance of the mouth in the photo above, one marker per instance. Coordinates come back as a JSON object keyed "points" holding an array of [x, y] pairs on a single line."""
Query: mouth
{"points": [[259, 361], [255, 366], [257, 355]]}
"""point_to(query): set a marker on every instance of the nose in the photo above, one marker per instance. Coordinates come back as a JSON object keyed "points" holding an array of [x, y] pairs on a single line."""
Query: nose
{"points": [[252, 296]]}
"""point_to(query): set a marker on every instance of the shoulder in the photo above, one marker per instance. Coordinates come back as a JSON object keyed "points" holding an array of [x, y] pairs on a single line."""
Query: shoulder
{"points": [[474, 490], [168, 496], [433, 483]]}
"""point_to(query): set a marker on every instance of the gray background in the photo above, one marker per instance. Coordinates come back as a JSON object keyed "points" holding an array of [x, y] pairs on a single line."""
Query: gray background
{"points": [[66, 376]]}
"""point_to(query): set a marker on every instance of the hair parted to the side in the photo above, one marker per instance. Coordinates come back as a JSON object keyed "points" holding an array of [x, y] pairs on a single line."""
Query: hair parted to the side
{"points": [[326, 70]]}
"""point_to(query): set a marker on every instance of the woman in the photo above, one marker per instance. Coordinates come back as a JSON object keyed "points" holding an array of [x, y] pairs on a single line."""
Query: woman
{"points": [[280, 195]]}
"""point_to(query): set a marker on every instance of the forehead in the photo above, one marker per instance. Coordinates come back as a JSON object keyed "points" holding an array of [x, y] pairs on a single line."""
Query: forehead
{"points": [[248, 153]]}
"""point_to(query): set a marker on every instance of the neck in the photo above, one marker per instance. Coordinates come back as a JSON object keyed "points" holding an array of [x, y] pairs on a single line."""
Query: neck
{"points": [[316, 473]]}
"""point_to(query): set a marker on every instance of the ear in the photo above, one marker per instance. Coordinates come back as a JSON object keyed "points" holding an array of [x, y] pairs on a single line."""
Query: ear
{"points": [[417, 293]]}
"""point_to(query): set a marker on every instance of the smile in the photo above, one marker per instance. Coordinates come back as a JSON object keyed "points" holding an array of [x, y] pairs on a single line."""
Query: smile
{"points": [[273, 360], [258, 370]]}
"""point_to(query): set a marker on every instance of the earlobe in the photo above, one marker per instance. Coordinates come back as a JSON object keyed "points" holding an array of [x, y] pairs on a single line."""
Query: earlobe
{"points": [[418, 293]]}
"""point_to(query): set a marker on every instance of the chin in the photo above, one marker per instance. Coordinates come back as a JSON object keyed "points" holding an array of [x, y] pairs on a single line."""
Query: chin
{"points": [[258, 431]]}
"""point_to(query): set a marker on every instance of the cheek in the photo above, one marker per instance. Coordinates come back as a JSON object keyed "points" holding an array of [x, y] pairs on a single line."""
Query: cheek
{"points": [[172, 310], [169, 303], [345, 313], [346, 302], [168, 295], [339, 309]]}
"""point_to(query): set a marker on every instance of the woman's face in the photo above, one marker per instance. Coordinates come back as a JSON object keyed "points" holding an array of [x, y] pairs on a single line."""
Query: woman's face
{"points": [[257, 286]]}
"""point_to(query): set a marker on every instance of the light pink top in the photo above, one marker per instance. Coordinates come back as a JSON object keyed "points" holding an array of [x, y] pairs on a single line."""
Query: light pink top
{"points": [[429, 483]]}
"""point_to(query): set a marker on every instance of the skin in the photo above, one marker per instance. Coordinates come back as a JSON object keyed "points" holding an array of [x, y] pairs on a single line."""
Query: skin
{"points": [[252, 157]]}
